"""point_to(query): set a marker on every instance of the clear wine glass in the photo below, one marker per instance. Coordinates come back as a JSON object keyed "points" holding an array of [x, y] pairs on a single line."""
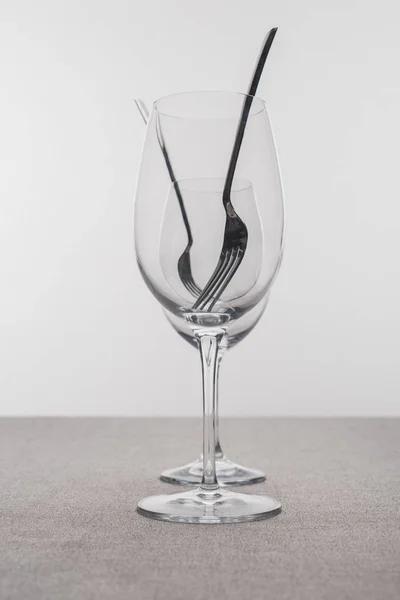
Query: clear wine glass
{"points": [[228, 472], [198, 130]]}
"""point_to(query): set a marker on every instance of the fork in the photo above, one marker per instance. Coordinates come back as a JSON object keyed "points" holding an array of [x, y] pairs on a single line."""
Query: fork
{"points": [[235, 234], [184, 265]]}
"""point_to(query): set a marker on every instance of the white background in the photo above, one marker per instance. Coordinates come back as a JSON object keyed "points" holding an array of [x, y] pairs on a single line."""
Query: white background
{"points": [[79, 332]]}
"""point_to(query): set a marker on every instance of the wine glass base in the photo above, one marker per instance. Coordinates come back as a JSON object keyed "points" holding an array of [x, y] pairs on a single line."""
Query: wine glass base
{"points": [[219, 506], [228, 473]]}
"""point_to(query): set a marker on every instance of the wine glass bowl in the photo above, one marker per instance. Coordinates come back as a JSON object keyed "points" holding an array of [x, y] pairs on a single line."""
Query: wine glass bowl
{"points": [[199, 129], [205, 212]]}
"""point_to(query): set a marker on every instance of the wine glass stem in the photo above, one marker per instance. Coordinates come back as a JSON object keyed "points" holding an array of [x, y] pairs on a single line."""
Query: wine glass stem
{"points": [[219, 453], [209, 342]]}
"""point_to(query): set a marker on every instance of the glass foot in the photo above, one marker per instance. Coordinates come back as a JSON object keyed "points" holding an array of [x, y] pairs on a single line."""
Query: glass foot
{"points": [[199, 506], [228, 473]]}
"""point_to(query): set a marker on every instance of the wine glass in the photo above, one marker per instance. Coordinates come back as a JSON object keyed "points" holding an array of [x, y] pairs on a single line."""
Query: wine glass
{"points": [[198, 130], [228, 472]]}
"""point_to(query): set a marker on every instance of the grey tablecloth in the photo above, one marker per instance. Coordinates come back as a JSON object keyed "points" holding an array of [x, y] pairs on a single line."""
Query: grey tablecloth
{"points": [[69, 529]]}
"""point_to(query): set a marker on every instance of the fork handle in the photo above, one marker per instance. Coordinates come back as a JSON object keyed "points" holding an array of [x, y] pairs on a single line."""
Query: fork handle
{"points": [[245, 114]]}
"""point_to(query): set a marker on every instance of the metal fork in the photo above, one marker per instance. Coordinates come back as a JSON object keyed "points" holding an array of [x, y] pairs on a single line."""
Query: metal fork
{"points": [[184, 265], [236, 234], [233, 249]]}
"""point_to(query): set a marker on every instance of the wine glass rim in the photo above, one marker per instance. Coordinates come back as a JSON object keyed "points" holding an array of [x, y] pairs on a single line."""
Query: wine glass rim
{"points": [[194, 92], [238, 184]]}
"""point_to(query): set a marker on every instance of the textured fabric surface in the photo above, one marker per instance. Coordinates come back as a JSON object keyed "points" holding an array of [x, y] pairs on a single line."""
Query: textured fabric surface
{"points": [[69, 528]]}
